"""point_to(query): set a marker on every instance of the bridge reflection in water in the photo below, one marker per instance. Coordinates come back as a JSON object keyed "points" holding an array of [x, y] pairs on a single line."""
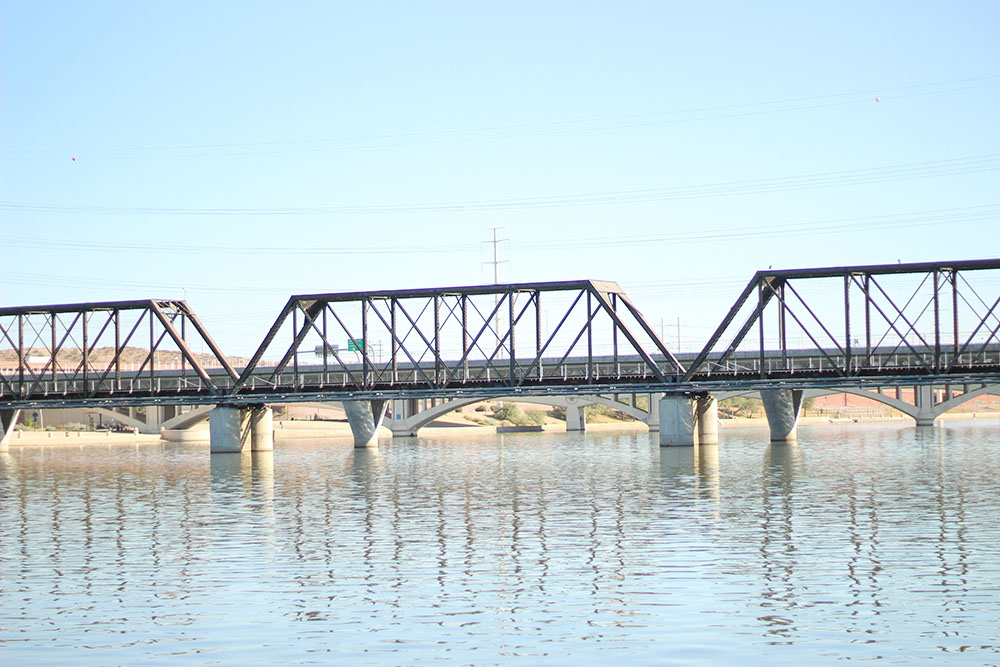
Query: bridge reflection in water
{"points": [[860, 328], [882, 537]]}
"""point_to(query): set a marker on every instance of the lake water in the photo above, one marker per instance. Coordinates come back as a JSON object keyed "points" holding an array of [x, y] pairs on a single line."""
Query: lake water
{"points": [[860, 542]]}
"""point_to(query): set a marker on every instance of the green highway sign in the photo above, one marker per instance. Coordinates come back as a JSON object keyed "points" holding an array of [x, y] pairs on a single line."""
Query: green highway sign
{"points": [[355, 344]]}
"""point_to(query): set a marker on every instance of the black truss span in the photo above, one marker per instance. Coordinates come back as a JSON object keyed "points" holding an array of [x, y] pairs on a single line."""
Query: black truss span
{"points": [[503, 336], [112, 351], [872, 325], [940, 319]]}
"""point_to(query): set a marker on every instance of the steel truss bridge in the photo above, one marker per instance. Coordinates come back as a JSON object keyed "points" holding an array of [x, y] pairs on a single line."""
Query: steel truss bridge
{"points": [[856, 326]]}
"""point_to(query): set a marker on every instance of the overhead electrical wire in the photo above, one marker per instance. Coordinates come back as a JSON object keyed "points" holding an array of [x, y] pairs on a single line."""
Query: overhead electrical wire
{"points": [[542, 128], [843, 178], [948, 216]]}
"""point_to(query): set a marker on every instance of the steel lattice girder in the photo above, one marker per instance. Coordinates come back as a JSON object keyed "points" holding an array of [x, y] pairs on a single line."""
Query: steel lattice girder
{"points": [[81, 346], [867, 308], [452, 337]]}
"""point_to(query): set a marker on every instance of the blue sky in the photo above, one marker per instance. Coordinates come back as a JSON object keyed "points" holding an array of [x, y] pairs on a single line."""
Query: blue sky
{"points": [[234, 153]]}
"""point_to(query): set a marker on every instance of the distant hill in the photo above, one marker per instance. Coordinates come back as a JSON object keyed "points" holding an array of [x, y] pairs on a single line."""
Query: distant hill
{"points": [[71, 358]]}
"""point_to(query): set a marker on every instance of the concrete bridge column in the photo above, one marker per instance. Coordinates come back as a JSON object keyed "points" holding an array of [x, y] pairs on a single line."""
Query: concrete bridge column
{"points": [[576, 415], [231, 428], [923, 398], [402, 410], [365, 418], [8, 418], [227, 429], [261, 428], [707, 418], [782, 407], [688, 420], [653, 413]]}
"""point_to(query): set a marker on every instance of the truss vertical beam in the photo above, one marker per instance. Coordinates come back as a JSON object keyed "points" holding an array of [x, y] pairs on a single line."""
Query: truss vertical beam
{"points": [[394, 343], [20, 353], [760, 326], [365, 366], [937, 319], [512, 362], [538, 333], [848, 361], [118, 347], [868, 320], [954, 313]]}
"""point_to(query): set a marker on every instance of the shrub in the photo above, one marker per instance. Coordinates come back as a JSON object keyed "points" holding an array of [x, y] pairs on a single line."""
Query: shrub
{"points": [[508, 412], [535, 416]]}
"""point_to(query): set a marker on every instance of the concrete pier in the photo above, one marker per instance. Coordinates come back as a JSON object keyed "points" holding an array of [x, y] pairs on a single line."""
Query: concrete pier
{"points": [[8, 418], [688, 419], [923, 398], [225, 429], [576, 415], [365, 418], [232, 428], [782, 407], [262, 429]]}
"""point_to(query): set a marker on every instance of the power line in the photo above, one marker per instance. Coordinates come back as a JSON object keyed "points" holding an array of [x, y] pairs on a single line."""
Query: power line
{"points": [[540, 128], [947, 216], [884, 174]]}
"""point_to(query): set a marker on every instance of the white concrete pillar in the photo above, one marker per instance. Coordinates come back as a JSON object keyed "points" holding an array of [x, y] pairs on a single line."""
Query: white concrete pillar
{"points": [[226, 429], [653, 419], [261, 428], [707, 420], [8, 419], [399, 423], [576, 417], [365, 418], [923, 398], [782, 407], [677, 421]]}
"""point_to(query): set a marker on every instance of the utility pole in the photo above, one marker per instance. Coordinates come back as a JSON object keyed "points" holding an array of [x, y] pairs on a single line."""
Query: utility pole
{"points": [[496, 262], [496, 279]]}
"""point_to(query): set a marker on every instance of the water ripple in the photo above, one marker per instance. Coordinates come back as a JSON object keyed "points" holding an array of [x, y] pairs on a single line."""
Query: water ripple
{"points": [[856, 543]]}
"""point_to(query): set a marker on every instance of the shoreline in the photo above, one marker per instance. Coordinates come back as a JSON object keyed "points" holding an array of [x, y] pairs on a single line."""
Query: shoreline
{"points": [[298, 430]]}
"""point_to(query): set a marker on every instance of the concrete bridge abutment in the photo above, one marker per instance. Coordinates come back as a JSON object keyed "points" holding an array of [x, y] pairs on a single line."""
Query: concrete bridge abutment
{"points": [[233, 428], [688, 420]]}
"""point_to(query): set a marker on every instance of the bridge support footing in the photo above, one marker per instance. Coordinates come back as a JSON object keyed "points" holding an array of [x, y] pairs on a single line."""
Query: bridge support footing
{"points": [[232, 429], [782, 407], [8, 418], [365, 418], [688, 420]]}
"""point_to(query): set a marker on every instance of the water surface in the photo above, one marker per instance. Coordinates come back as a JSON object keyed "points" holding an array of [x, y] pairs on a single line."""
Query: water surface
{"points": [[860, 542]]}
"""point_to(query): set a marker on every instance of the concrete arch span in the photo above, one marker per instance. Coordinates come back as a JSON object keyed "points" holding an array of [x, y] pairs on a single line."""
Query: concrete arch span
{"points": [[924, 410], [955, 401], [403, 424], [186, 420], [123, 418]]}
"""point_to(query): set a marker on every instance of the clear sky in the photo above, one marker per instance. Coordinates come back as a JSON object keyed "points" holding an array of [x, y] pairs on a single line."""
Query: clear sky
{"points": [[234, 153]]}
